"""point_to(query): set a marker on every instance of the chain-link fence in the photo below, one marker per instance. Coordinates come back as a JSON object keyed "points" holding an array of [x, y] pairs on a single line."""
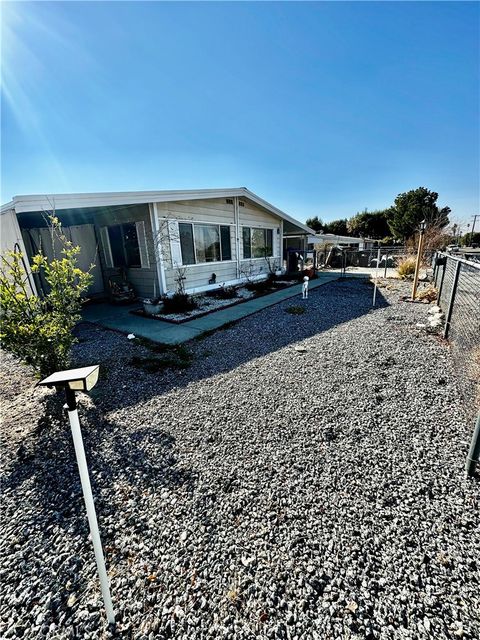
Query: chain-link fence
{"points": [[458, 283]]}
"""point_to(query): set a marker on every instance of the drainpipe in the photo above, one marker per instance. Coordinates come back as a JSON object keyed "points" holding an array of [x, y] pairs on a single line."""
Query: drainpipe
{"points": [[157, 243], [237, 233]]}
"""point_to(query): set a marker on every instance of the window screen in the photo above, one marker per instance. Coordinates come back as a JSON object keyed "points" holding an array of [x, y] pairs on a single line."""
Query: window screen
{"points": [[225, 242], [186, 243], [247, 245]]}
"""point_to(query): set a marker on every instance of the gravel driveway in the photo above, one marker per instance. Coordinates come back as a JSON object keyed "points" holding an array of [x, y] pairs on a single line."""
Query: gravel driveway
{"points": [[260, 492]]}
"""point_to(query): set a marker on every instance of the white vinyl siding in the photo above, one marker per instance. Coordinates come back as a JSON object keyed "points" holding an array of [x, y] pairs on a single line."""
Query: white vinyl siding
{"points": [[107, 250], [142, 245]]}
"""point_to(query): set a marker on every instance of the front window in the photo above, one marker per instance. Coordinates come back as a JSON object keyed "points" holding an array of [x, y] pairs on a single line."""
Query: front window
{"points": [[257, 243], [124, 245], [203, 243]]}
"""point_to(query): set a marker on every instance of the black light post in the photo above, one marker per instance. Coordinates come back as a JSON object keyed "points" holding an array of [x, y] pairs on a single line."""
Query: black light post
{"points": [[422, 228], [73, 380]]}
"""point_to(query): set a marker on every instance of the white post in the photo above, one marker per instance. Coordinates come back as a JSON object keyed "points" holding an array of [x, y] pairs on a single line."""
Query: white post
{"points": [[92, 516], [376, 278]]}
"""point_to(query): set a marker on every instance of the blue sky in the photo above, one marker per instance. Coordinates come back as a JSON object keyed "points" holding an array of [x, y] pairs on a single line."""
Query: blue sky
{"points": [[321, 108]]}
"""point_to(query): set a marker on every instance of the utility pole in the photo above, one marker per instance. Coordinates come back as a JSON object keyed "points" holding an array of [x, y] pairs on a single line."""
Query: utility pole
{"points": [[473, 225]]}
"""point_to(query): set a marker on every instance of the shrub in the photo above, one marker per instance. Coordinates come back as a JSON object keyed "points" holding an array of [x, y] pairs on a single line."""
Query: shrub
{"points": [[406, 267], [261, 286], [295, 311], [224, 293], [178, 303], [37, 329]]}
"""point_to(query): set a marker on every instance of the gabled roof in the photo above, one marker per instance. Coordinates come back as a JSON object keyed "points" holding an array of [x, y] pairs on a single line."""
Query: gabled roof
{"points": [[59, 201]]}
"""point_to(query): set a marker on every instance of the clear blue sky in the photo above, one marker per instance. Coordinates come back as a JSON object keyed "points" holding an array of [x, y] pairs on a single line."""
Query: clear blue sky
{"points": [[321, 108]]}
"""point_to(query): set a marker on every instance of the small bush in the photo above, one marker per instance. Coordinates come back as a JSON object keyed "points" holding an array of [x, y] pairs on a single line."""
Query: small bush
{"points": [[406, 267], [39, 330], [295, 311], [429, 294], [263, 286], [178, 303], [224, 293]]}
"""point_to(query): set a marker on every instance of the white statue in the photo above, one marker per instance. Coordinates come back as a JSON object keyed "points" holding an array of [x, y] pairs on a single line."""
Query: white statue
{"points": [[305, 287]]}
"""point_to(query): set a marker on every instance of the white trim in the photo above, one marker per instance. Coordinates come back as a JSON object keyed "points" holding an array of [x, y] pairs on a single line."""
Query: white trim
{"points": [[157, 243], [202, 264], [107, 249], [192, 221], [142, 244], [39, 202], [236, 217]]}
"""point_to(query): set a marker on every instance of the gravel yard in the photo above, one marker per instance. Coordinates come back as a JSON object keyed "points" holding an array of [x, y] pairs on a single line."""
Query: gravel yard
{"points": [[258, 493]]}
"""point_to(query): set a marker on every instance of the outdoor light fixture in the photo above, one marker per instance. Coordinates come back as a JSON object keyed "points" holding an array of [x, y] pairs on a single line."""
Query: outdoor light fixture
{"points": [[83, 379], [422, 226]]}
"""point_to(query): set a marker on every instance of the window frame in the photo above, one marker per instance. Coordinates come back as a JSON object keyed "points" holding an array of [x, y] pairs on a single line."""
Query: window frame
{"points": [[206, 224], [265, 230]]}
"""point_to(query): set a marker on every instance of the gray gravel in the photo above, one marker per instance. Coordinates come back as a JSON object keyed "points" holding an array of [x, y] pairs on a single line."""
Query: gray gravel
{"points": [[263, 492]]}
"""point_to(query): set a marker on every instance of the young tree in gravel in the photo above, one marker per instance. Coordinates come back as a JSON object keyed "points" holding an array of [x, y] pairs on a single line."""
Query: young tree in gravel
{"points": [[39, 329], [411, 208]]}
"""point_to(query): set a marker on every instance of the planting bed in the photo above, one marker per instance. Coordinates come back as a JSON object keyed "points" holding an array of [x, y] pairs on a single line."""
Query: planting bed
{"points": [[208, 303], [261, 492]]}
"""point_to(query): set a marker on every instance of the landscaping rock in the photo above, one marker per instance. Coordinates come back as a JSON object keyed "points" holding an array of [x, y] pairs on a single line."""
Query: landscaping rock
{"points": [[252, 494]]}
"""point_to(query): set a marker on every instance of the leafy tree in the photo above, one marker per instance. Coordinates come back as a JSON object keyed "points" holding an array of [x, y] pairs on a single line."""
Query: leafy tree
{"points": [[369, 224], [470, 239], [39, 329], [315, 223], [411, 208], [338, 227]]}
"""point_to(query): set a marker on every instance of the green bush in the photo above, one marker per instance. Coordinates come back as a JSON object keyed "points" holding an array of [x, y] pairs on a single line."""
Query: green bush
{"points": [[37, 329], [295, 311]]}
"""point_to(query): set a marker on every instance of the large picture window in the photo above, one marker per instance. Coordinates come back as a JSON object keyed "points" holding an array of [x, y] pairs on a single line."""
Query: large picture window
{"points": [[202, 243], [257, 243]]}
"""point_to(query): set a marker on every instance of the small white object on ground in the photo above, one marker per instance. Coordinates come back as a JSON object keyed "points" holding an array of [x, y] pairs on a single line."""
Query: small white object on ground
{"points": [[300, 349], [305, 287], [131, 336]]}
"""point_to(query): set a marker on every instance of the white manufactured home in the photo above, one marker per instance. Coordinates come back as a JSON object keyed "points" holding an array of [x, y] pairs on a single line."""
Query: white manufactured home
{"points": [[208, 237]]}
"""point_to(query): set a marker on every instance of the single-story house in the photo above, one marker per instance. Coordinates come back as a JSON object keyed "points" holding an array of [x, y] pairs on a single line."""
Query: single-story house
{"points": [[206, 237]]}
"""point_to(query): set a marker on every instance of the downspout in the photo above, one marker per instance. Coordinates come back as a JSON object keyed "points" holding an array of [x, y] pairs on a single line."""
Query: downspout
{"points": [[157, 243], [236, 218]]}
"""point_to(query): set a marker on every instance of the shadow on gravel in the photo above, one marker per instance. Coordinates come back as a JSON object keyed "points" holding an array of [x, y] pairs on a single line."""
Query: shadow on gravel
{"points": [[223, 349], [46, 463]]}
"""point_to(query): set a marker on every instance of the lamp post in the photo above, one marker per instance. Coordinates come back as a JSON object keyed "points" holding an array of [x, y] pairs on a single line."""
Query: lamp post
{"points": [[422, 228], [73, 380]]}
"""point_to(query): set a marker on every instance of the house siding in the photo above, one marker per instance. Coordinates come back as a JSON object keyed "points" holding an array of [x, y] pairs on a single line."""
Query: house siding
{"points": [[216, 211]]}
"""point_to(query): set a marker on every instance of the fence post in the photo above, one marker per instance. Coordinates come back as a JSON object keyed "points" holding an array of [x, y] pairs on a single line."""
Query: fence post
{"points": [[474, 451], [452, 299], [441, 281]]}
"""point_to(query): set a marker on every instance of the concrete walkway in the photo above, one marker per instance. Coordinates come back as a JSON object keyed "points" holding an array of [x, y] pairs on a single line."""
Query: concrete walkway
{"points": [[120, 318]]}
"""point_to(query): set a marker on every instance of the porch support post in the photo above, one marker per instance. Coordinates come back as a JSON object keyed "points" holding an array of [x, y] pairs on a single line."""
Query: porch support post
{"points": [[157, 243], [237, 234]]}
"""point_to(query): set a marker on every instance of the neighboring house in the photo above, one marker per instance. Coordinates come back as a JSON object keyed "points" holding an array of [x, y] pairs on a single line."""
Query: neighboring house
{"points": [[320, 239], [224, 235]]}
